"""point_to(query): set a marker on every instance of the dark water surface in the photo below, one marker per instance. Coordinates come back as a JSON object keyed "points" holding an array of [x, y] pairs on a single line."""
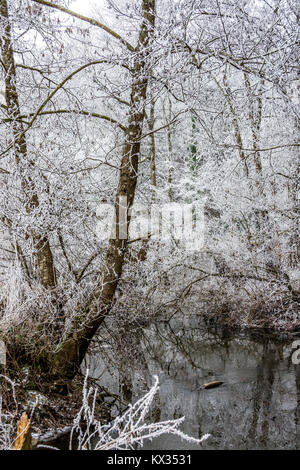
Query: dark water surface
{"points": [[257, 407]]}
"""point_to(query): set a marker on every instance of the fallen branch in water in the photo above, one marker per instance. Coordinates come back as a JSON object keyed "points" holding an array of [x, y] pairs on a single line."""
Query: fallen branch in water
{"points": [[208, 385]]}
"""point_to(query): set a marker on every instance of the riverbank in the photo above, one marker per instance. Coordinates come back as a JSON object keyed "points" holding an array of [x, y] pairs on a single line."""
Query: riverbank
{"points": [[277, 318], [52, 414], [52, 408], [265, 312]]}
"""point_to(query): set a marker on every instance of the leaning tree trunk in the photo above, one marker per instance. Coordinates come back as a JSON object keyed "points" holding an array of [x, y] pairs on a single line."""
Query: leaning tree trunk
{"points": [[67, 360], [44, 259]]}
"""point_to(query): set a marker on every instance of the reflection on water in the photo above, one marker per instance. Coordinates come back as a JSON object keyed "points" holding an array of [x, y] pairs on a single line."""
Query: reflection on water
{"points": [[257, 407]]}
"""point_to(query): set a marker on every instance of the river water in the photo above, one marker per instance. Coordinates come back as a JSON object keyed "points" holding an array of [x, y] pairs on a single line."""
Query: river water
{"points": [[256, 407]]}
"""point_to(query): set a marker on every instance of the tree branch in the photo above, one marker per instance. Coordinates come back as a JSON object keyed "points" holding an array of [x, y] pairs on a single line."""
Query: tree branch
{"points": [[50, 96], [71, 111], [88, 20]]}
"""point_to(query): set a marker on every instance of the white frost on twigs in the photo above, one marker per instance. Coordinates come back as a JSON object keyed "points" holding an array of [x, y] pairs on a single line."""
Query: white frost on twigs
{"points": [[128, 430]]}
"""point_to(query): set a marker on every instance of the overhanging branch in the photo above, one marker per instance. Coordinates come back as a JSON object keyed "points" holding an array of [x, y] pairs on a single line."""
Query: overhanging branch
{"points": [[50, 96], [71, 111], [88, 20]]}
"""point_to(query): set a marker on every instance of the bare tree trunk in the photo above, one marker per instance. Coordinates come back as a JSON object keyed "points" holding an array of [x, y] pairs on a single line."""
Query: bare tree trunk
{"points": [[44, 257], [236, 127], [193, 145], [255, 119], [170, 152], [152, 146], [67, 360], [226, 91], [142, 253]]}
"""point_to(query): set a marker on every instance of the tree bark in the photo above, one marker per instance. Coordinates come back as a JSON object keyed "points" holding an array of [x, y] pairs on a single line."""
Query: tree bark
{"points": [[152, 146], [255, 120]]}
